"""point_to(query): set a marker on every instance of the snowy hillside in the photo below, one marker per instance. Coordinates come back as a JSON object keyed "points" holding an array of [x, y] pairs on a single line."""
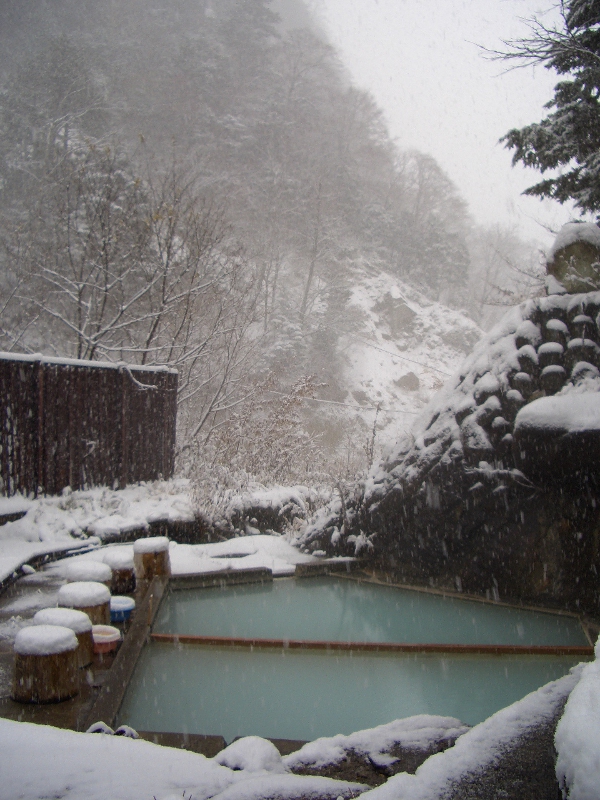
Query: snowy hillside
{"points": [[399, 353]]}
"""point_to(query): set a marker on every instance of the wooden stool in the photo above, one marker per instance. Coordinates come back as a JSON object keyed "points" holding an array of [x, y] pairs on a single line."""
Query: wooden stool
{"points": [[120, 560], [78, 622], [151, 558], [88, 596], [46, 664], [89, 571]]}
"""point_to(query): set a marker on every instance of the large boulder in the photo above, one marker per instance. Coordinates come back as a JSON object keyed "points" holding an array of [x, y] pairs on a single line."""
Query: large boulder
{"points": [[574, 261], [557, 441]]}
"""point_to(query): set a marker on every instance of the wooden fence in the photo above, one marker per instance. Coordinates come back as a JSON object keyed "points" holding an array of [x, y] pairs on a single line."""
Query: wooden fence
{"points": [[83, 423]]}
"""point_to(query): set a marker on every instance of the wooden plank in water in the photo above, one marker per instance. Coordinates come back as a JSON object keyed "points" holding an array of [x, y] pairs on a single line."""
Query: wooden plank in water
{"points": [[382, 647]]}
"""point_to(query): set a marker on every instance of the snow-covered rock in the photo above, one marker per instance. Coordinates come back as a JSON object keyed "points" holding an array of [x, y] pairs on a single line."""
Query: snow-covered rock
{"points": [[421, 732], [574, 260], [396, 353], [253, 754], [577, 738]]}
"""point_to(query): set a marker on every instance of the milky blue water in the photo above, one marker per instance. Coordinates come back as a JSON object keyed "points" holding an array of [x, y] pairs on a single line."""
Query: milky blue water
{"points": [[303, 694], [337, 609], [293, 694]]}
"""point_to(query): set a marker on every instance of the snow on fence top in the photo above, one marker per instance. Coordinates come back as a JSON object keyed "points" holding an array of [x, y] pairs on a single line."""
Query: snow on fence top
{"points": [[80, 362], [83, 594], [44, 640], [77, 621]]}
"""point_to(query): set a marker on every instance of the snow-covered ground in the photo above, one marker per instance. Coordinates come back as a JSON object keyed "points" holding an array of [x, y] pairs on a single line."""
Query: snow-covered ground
{"points": [[409, 346], [578, 737], [399, 349], [83, 518], [246, 552], [417, 733], [37, 761]]}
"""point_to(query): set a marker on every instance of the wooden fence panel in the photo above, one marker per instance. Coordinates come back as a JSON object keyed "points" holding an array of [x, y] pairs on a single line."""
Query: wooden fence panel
{"points": [[19, 425], [145, 434], [54, 427], [81, 424]]}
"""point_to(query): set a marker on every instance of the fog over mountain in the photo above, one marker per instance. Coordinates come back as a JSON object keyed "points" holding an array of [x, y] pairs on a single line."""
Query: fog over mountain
{"points": [[199, 184]]}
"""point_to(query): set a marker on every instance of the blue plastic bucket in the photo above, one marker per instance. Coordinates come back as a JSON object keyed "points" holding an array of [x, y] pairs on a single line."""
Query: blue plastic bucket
{"points": [[121, 608]]}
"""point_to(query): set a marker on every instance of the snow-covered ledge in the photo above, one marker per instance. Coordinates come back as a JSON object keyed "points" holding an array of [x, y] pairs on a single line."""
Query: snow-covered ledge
{"points": [[577, 737]]}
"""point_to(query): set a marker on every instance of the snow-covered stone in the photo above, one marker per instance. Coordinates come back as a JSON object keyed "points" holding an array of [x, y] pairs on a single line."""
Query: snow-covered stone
{"points": [[575, 232], [577, 738], [479, 747], [419, 732], [253, 754], [563, 414]]}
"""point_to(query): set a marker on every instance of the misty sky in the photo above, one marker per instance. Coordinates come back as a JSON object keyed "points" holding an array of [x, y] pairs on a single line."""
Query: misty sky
{"points": [[421, 61]]}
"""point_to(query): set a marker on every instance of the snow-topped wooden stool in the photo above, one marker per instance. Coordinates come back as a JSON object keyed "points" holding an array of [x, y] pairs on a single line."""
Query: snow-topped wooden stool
{"points": [[120, 560], [46, 664], [151, 558], [89, 571], [78, 622], [88, 596]]}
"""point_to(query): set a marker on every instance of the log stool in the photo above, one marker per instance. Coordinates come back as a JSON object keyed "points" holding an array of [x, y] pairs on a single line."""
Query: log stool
{"points": [[46, 664], [89, 571], [120, 560], [88, 596], [151, 558], [78, 622]]}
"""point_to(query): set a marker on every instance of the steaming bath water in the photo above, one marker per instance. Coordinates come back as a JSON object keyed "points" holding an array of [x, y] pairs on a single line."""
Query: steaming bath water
{"points": [[306, 693]]}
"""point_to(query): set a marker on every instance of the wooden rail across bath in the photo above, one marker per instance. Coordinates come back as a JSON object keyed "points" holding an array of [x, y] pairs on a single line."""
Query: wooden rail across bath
{"points": [[381, 647]]}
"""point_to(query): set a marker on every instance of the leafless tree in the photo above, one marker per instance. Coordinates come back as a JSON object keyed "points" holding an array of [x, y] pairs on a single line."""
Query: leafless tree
{"points": [[143, 270]]}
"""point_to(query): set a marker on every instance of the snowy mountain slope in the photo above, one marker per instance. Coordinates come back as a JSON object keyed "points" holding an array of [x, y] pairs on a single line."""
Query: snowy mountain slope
{"points": [[401, 351]]}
